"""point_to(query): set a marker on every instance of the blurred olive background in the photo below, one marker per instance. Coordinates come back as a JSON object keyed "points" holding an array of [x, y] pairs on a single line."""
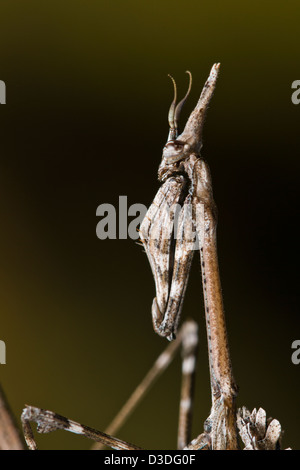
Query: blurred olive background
{"points": [[85, 122]]}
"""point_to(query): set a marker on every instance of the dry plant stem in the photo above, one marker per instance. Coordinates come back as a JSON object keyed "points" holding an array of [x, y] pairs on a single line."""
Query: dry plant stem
{"points": [[48, 421], [223, 387], [9, 434], [221, 424]]}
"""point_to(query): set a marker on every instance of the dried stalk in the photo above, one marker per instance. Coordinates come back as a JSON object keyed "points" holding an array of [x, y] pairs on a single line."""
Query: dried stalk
{"points": [[10, 438]]}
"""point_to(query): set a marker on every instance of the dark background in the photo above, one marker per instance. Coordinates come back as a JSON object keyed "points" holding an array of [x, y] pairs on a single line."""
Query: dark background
{"points": [[85, 122]]}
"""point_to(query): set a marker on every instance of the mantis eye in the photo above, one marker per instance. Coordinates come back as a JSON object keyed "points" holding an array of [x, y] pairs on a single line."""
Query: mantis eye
{"points": [[174, 151], [178, 147]]}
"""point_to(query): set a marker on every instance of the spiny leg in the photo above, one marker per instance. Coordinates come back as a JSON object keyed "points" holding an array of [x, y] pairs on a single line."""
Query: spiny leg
{"points": [[48, 421]]}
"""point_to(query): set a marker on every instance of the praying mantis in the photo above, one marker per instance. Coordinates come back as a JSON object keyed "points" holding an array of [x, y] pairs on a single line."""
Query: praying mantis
{"points": [[181, 220], [187, 183]]}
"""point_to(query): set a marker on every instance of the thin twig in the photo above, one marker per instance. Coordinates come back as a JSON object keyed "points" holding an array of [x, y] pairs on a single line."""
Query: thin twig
{"points": [[10, 438], [221, 423]]}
